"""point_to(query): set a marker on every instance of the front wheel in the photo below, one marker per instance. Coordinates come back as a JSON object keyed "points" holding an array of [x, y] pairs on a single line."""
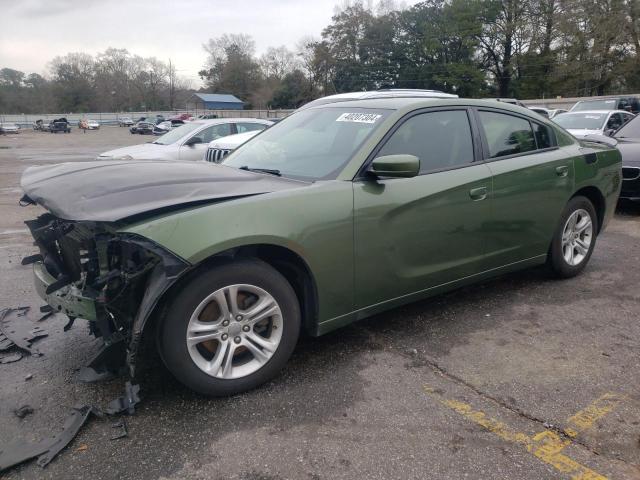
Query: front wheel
{"points": [[575, 238], [230, 328]]}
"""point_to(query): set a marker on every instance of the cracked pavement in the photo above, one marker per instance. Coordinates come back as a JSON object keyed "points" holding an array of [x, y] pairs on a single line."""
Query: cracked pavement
{"points": [[523, 350]]}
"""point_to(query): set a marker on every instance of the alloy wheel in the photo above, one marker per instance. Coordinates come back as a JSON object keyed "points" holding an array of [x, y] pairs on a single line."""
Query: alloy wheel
{"points": [[577, 236], [234, 331]]}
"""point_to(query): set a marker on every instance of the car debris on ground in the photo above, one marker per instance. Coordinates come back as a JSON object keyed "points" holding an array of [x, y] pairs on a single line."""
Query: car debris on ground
{"points": [[23, 411], [18, 334], [19, 451]]}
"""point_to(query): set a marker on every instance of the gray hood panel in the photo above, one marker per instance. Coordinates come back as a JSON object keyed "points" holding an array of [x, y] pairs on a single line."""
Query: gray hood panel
{"points": [[113, 190]]}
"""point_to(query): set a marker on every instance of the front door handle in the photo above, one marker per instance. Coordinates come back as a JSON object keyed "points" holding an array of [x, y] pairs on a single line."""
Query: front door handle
{"points": [[479, 193], [562, 170]]}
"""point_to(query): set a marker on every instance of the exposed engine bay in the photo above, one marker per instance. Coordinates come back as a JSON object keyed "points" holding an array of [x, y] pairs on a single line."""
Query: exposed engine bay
{"points": [[88, 270]]}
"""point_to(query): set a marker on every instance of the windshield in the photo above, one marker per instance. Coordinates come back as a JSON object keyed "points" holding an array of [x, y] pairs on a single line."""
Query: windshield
{"points": [[595, 105], [631, 129], [177, 133], [588, 121], [310, 144]]}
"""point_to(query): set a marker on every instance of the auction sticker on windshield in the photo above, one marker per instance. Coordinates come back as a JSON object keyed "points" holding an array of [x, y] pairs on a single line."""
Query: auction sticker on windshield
{"points": [[358, 117]]}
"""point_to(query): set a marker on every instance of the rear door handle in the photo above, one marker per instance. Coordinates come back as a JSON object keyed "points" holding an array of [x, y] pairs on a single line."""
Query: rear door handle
{"points": [[479, 193], [562, 170]]}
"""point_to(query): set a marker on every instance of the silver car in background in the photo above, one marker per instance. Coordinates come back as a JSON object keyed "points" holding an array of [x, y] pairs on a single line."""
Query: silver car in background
{"points": [[592, 122]]}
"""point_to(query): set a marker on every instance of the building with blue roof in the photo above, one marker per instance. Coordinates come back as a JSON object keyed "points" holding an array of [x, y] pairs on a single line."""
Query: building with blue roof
{"points": [[214, 101]]}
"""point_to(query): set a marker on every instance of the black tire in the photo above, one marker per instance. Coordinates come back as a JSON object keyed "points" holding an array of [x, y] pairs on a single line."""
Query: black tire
{"points": [[556, 260], [173, 327]]}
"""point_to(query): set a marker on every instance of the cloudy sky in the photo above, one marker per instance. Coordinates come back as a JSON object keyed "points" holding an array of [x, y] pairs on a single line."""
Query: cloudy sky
{"points": [[32, 32]]}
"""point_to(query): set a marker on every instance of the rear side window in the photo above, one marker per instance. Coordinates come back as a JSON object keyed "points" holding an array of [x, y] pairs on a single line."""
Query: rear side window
{"points": [[506, 134], [249, 127], [439, 139], [544, 136]]}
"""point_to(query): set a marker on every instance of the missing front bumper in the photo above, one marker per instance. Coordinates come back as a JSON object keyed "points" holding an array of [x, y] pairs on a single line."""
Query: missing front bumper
{"points": [[68, 300]]}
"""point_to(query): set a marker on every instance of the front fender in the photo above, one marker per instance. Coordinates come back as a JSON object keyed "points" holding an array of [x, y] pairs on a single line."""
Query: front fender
{"points": [[315, 222]]}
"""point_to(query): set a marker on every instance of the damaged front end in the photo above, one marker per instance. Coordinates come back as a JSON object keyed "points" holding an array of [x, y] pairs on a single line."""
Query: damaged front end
{"points": [[114, 280]]}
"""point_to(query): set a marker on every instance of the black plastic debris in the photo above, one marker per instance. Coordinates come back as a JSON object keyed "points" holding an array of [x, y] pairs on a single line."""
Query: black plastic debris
{"points": [[20, 451], [106, 364], [23, 411], [122, 426], [47, 312], [14, 357], [19, 333], [126, 403]]}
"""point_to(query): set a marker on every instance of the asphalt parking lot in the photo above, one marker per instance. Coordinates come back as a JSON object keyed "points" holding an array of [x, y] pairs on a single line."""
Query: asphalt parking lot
{"points": [[521, 377]]}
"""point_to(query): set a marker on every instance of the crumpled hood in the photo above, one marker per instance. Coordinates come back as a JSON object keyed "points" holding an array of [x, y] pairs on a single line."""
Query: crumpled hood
{"points": [[111, 191], [144, 151]]}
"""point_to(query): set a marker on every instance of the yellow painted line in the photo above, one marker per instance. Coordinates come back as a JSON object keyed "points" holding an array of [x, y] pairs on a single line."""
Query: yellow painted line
{"points": [[586, 417], [547, 445]]}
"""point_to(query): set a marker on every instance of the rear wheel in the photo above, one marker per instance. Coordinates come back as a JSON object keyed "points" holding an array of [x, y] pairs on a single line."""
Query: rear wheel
{"points": [[231, 328], [575, 238]]}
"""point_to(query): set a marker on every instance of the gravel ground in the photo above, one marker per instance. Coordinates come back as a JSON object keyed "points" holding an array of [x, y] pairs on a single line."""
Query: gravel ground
{"points": [[459, 386]]}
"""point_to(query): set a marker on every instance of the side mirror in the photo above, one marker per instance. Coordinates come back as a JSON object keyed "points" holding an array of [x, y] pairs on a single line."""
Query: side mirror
{"points": [[193, 141], [395, 166], [609, 132]]}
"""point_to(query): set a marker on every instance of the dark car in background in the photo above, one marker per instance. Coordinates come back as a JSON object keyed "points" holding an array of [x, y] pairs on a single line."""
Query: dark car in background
{"points": [[628, 137], [143, 128], [59, 125], [629, 104]]}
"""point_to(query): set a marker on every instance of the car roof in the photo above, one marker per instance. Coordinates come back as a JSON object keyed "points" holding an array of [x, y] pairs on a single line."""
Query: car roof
{"points": [[384, 93], [595, 112], [215, 121], [410, 103]]}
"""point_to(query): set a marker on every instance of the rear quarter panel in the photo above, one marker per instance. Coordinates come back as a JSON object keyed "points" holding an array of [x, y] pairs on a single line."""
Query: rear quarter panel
{"points": [[601, 167]]}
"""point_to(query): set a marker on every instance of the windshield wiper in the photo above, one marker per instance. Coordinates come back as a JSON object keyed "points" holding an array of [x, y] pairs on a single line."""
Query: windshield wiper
{"points": [[270, 171]]}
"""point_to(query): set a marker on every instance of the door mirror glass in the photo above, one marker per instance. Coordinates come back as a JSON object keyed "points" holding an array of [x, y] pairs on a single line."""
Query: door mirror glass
{"points": [[193, 141], [395, 166]]}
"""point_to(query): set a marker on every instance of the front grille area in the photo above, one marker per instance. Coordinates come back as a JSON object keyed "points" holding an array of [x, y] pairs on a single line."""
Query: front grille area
{"points": [[630, 173], [216, 155], [630, 182]]}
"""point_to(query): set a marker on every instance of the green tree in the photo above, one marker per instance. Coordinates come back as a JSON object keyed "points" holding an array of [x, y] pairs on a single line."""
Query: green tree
{"points": [[294, 91]]}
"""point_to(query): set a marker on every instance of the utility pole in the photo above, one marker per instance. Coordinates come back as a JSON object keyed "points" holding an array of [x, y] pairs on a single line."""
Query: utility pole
{"points": [[171, 86]]}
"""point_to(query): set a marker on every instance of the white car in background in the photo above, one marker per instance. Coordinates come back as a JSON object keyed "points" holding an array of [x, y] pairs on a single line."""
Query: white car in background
{"points": [[547, 112], [9, 128], [93, 125], [219, 149], [187, 142], [592, 122]]}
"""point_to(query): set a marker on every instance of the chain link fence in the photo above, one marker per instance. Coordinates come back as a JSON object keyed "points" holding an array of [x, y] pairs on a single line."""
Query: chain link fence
{"points": [[112, 118]]}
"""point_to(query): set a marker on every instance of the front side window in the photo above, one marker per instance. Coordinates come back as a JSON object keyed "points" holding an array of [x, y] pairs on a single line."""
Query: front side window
{"points": [[311, 144], [176, 134], [615, 121], [439, 139], [214, 132], [506, 134], [249, 127], [631, 129]]}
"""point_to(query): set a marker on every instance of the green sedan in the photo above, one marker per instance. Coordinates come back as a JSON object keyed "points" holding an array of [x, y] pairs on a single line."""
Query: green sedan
{"points": [[344, 209]]}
